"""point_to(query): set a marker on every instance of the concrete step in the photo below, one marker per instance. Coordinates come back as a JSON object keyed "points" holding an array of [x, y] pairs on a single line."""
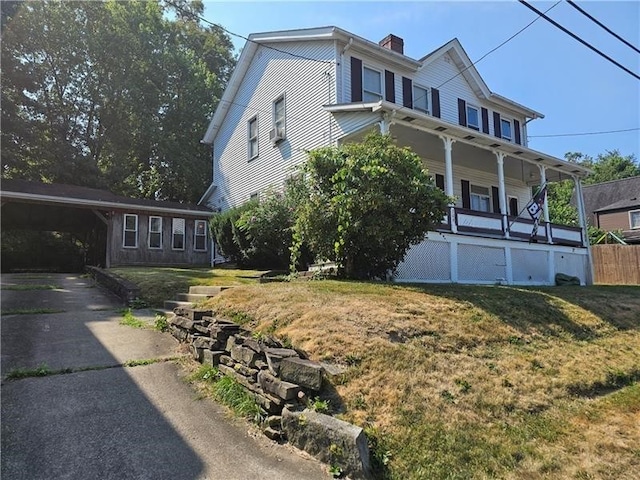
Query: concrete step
{"points": [[171, 304], [207, 290], [193, 297]]}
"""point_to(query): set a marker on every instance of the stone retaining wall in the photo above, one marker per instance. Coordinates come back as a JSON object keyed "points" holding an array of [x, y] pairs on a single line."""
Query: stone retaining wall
{"points": [[123, 288], [278, 379]]}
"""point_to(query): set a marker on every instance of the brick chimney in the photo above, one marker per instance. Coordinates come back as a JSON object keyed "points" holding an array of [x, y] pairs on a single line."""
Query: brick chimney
{"points": [[393, 43]]}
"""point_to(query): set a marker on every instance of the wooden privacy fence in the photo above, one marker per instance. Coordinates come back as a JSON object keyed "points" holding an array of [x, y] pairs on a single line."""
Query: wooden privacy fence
{"points": [[616, 264]]}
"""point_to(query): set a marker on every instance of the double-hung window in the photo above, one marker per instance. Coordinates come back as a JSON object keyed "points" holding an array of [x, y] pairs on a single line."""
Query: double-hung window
{"points": [[371, 85], [505, 129], [177, 237], [200, 236], [634, 219], [421, 98], [130, 231], [279, 115], [473, 117], [480, 199], [252, 137], [155, 232]]}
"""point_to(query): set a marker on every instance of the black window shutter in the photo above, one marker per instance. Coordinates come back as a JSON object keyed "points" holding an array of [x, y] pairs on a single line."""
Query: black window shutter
{"points": [[435, 101], [389, 86], [516, 128], [462, 112], [485, 120], [356, 79], [513, 207], [495, 198], [466, 194], [440, 181], [497, 129], [407, 92]]}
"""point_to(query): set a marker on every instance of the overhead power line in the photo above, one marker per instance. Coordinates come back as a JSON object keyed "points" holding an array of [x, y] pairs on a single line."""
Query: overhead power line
{"points": [[496, 48], [595, 20], [217, 25], [584, 133], [576, 37]]}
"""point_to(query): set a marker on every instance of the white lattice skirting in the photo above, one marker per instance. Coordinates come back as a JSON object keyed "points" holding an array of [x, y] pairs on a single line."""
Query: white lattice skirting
{"points": [[443, 258]]}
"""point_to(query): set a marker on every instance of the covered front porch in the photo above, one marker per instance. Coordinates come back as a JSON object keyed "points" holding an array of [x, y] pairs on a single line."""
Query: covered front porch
{"points": [[491, 180]]}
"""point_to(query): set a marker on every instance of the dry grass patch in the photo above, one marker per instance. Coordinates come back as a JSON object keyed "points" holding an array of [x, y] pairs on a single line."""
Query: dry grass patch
{"points": [[472, 382]]}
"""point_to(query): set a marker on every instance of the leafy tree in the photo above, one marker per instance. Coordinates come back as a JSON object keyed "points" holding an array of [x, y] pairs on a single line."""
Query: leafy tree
{"points": [[365, 205], [111, 94]]}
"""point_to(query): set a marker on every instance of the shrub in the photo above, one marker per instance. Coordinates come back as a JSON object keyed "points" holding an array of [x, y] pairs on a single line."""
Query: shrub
{"points": [[227, 236]]}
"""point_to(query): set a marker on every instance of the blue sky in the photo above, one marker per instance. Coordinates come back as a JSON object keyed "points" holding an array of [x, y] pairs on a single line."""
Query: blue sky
{"points": [[542, 68]]}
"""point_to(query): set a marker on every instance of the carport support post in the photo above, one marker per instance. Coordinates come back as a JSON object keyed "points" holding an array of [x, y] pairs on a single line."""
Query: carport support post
{"points": [[448, 186], [107, 222]]}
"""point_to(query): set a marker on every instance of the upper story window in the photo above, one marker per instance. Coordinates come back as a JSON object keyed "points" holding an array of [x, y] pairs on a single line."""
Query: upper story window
{"points": [[177, 240], [634, 218], [252, 137], [473, 117], [155, 232], [421, 98], [279, 112], [505, 129], [480, 199], [371, 85], [200, 236], [130, 231]]}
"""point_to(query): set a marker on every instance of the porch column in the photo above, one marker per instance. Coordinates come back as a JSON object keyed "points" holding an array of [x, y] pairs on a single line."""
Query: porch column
{"points": [[502, 193], [582, 218], [448, 177], [545, 206]]}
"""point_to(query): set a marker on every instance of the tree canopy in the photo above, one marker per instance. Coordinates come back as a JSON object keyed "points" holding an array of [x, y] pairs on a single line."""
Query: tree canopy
{"points": [[111, 94]]}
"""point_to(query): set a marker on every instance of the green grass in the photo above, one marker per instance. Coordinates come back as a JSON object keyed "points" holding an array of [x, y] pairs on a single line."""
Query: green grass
{"points": [[31, 311], [129, 319], [32, 286], [158, 284], [41, 370]]}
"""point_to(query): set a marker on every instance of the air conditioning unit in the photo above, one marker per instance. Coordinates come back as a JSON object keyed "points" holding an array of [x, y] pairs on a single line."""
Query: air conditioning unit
{"points": [[276, 135]]}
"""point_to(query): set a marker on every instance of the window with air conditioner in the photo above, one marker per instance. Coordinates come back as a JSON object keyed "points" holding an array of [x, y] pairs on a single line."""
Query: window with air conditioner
{"points": [[278, 131]]}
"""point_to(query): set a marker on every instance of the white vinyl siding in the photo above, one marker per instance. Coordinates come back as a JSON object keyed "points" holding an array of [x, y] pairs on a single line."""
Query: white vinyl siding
{"points": [[177, 233], [371, 84], [308, 125], [200, 236], [130, 231], [155, 232]]}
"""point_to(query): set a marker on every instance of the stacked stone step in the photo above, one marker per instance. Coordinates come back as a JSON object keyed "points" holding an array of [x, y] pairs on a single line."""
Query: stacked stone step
{"points": [[274, 376]]}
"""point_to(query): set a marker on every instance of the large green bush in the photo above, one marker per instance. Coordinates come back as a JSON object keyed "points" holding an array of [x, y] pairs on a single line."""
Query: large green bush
{"points": [[227, 236], [365, 204]]}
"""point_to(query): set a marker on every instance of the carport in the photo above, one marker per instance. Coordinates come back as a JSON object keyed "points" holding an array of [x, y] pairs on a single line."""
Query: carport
{"points": [[99, 219]]}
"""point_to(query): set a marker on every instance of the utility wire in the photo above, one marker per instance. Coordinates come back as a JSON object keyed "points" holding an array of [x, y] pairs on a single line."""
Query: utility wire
{"points": [[503, 43], [595, 20], [216, 25], [584, 133], [576, 37]]}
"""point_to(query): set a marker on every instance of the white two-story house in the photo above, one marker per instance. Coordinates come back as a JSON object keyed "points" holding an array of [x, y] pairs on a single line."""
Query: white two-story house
{"points": [[293, 91]]}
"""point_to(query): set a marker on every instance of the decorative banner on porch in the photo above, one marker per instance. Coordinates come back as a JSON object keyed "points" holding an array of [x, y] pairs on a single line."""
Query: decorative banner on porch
{"points": [[535, 207]]}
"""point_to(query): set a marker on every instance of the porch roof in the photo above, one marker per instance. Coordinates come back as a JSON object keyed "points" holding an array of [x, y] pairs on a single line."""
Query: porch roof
{"points": [[400, 115]]}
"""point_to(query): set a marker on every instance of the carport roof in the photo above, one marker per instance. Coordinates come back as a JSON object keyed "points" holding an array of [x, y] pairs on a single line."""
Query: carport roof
{"points": [[52, 193]]}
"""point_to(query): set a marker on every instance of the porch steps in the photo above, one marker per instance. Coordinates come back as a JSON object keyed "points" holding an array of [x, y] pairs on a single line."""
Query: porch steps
{"points": [[196, 294]]}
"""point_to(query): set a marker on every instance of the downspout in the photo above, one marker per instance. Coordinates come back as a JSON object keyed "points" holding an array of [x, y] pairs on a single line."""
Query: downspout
{"points": [[344, 50]]}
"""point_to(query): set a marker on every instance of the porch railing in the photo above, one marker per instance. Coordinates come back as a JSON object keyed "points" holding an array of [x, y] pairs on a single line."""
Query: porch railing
{"points": [[495, 224]]}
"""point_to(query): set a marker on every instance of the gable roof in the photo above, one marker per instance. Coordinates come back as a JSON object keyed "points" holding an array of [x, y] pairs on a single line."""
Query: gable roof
{"points": [[621, 205], [13, 189], [602, 195], [453, 47]]}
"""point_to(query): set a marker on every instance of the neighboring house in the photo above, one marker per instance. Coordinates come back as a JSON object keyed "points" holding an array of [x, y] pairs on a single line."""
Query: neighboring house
{"points": [[615, 205], [296, 90], [124, 231]]}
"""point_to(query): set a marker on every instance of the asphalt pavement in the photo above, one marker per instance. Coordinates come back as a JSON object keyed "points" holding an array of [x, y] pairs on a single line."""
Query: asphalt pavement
{"points": [[107, 421]]}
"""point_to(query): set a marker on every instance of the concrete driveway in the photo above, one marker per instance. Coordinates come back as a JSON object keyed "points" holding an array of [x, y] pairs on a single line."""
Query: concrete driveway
{"points": [[108, 421]]}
